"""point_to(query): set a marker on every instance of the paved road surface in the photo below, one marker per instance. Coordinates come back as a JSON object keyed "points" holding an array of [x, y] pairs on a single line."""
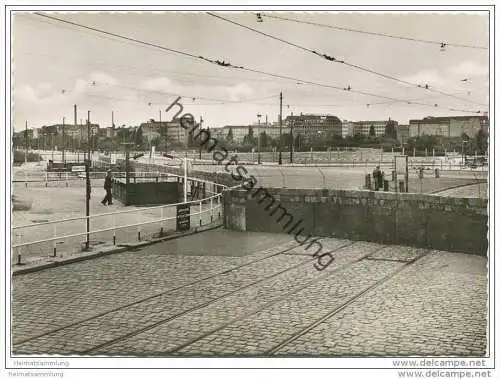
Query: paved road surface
{"points": [[231, 293]]}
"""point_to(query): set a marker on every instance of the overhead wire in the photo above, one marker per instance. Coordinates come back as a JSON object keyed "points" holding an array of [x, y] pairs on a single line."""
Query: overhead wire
{"points": [[227, 64], [342, 61], [439, 43]]}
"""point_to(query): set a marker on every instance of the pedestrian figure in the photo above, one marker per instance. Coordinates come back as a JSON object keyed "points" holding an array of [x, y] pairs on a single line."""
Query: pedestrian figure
{"points": [[377, 178], [107, 186]]}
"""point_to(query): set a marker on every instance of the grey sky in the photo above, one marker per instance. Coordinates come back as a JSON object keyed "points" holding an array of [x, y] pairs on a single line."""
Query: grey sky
{"points": [[54, 66]]}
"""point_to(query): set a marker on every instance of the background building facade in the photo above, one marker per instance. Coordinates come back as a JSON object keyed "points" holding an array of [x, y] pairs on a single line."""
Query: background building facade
{"points": [[453, 126]]}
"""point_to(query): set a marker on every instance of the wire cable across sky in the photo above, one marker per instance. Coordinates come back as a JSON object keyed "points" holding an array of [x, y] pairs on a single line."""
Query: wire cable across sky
{"points": [[342, 61], [229, 65], [441, 44]]}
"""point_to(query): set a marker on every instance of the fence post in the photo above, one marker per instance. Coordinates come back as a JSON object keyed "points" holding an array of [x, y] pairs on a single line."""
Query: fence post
{"points": [[200, 211], [219, 201], [211, 211]]}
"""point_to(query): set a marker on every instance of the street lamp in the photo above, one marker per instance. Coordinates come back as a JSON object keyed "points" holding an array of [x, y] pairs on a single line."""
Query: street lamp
{"points": [[258, 138]]}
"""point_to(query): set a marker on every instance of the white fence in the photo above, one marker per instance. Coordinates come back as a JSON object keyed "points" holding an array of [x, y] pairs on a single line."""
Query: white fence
{"points": [[48, 238]]}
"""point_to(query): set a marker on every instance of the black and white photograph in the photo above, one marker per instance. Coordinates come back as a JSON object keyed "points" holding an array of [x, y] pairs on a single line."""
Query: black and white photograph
{"points": [[254, 186]]}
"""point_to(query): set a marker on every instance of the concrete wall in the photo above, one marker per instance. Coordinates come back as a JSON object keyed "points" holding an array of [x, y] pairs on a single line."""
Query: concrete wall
{"points": [[427, 221]]}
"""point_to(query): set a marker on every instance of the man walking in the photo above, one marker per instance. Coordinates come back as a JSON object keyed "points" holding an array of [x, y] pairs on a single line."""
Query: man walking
{"points": [[107, 186]]}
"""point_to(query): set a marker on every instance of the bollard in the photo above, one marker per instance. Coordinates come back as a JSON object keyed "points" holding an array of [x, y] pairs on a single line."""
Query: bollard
{"points": [[54, 235], [18, 258], [436, 173], [114, 230]]}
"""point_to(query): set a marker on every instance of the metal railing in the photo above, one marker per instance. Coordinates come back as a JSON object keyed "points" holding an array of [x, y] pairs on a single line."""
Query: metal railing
{"points": [[206, 212]]}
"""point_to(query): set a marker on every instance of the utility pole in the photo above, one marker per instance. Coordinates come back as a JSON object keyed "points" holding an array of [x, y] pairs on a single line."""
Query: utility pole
{"points": [[63, 141], [201, 128], [165, 131], [258, 139], [281, 121], [87, 180], [127, 169], [26, 142], [291, 139]]}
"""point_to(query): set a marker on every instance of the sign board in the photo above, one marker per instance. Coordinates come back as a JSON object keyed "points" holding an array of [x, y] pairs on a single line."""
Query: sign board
{"points": [[183, 217], [401, 164], [78, 169], [401, 172]]}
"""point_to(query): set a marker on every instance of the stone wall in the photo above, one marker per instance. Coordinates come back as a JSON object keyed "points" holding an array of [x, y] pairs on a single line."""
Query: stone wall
{"points": [[427, 221]]}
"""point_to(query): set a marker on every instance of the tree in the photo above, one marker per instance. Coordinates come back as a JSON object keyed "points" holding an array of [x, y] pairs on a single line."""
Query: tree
{"points": [[372, 131], [249, 139], [390, 129], [481, 141], [297, 142], [229, 136], [264, 140], [138, 140]]}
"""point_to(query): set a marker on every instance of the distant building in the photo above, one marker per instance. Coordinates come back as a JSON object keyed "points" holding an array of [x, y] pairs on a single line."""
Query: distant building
{"points": [[172, 130], [347, 129], [313, 125], [363, 127], [453, 126], [240, 131], [77, 132], [403, 133]]}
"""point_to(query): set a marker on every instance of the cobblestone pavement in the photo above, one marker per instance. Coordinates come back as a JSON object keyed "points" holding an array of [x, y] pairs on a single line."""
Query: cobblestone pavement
{"points": [[230, 293]]}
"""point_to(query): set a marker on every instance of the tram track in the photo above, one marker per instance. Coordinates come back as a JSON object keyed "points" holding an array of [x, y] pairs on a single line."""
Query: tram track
{"points": [[94, 350], [145, 328], [285, 247], [200, 306], [267, 305], [338, 309]]}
